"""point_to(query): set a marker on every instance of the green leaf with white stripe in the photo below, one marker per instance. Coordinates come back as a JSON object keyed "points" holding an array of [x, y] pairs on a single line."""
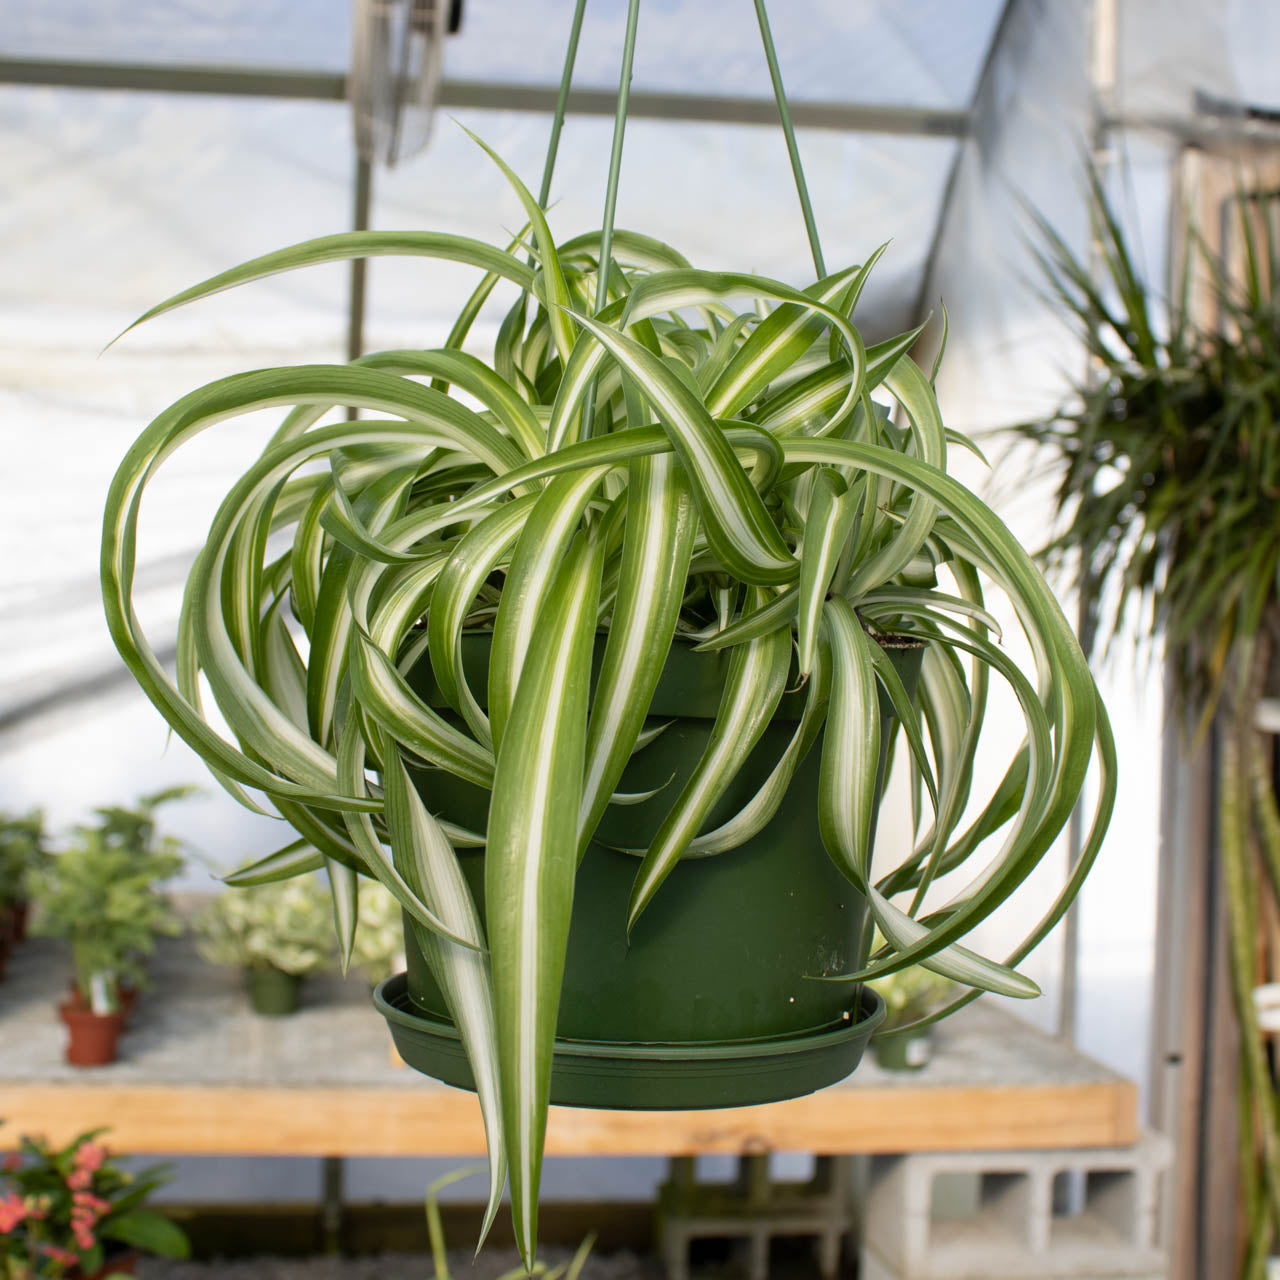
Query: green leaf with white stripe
{"points": [[826, 529], [548, 530], [850, 747], [753, 686], [297, 858], [737, 525], [531, 860], [426, 860], [656, 549]]}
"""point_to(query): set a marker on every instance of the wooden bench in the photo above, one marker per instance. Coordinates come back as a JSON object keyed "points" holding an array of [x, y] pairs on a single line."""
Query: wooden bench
{"points": [[200, 1074]]}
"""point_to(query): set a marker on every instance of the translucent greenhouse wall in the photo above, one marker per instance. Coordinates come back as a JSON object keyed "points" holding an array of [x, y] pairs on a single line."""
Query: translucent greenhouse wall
{"points": [[115, 200]]}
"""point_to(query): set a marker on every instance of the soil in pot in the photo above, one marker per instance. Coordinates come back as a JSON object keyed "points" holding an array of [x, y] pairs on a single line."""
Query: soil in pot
{"points": [[272, 992], [92, 1036]]}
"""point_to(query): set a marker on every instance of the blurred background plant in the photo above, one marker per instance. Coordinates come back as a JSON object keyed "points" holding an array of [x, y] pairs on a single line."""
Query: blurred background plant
{"points": [[1168, 517], [102, 894], [65, 1211], [378, 950], [23, 849], [1167, 453], [909, 996], [276, 933]]}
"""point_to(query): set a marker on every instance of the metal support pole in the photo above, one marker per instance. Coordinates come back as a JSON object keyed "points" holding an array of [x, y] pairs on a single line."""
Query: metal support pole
{"points": [[355, 311], [332, 1212], [1103, 69]]}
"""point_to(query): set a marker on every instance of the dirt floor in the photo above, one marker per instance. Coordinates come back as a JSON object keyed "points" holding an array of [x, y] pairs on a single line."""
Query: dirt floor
{"points": [[399, 1266]]}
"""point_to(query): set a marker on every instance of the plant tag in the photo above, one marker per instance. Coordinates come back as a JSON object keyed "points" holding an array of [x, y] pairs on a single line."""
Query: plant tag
{"points": [[100, 994], [917, 1051]]}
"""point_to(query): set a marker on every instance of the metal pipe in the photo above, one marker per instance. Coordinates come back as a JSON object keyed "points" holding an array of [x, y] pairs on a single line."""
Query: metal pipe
{"points": [[267, 82]]}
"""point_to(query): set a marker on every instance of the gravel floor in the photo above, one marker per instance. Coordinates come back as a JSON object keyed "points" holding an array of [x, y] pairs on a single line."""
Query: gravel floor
{"points": [[398, 1266]]}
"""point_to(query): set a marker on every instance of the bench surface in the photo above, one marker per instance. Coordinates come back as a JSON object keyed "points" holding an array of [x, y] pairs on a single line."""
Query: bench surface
{"points": [[200, 1073]]}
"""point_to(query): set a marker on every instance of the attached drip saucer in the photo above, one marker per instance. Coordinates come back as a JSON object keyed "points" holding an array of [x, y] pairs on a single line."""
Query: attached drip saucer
{"points": [[628, 1076]]}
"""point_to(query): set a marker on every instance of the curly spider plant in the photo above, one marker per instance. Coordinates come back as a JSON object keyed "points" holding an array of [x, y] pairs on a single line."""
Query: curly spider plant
{"points": [[652, 456]]}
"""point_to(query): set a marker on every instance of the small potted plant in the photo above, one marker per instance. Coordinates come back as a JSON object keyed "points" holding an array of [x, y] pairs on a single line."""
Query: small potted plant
{"points": [[22, 849], [73, 1213], [905, 1040], [102, 894], [276, 933]]}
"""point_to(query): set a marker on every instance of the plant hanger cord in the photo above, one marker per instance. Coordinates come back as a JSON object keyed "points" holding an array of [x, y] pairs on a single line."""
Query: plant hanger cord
{"points": [[788, 129], [562, 99], [615, 154], [611, 190]]}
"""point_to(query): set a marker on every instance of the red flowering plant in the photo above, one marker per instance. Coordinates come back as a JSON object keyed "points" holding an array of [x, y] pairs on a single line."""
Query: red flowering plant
{"points": [[64, 1212]]}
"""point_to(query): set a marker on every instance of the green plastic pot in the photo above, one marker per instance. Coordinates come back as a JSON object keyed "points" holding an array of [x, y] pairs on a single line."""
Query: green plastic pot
{"points": [[272, 992], [909, 1052], [716, 983]]}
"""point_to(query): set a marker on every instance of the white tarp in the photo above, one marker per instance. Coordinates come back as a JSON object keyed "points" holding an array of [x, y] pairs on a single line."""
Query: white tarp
{"points": [[112, 201]]}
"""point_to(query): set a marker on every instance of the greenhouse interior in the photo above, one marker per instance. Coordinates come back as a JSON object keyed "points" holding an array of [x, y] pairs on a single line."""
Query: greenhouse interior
{"points": [[581, 578]]}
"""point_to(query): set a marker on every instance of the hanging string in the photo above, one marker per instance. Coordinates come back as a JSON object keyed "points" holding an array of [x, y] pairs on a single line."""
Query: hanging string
{"points": [[784, 114], [615, 155], [611, 195], [557, 123]]}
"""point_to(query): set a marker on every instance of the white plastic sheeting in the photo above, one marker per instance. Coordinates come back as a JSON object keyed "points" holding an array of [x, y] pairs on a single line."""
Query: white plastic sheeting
{"points": [[114, 200]]}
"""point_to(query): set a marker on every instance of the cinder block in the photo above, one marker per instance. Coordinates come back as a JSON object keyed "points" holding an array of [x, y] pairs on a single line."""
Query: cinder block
{"points": [[994, 1215], [751, 1212]]}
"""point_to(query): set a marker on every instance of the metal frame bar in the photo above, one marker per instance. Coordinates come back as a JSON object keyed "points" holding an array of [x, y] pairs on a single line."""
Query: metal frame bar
{"points": [[929, 269], [323, 86]]}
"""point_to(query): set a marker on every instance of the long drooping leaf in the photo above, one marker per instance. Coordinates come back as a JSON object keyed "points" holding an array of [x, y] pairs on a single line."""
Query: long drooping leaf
{"points": [[654, 565], [548, 530], [354, 244], [759, 811], [753, 685], [826, 529], [424, 858], [531, 859], [851, 746]]}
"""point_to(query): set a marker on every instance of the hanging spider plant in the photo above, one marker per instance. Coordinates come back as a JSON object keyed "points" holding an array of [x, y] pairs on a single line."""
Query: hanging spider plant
{"points": [[1168, 508], [654, 456]]}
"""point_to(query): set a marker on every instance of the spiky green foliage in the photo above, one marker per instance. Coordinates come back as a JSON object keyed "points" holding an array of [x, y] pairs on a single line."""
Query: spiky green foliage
{"points": [[1169, 453], [23, 849], [1169, 511]]}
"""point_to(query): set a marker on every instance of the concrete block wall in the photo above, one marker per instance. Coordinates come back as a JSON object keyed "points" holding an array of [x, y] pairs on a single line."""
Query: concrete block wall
{"points": [[752, 1211], [1016, 1215]]}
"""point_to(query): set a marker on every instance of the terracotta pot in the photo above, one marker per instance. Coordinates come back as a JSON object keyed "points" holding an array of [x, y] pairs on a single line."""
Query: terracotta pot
{"points": [[128, 998], [93, 1036], [19, 913], [121, 1264]]}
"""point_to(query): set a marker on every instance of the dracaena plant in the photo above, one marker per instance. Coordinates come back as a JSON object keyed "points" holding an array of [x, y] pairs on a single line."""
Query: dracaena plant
{"points": [[650, 455], [1168, 508]]}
